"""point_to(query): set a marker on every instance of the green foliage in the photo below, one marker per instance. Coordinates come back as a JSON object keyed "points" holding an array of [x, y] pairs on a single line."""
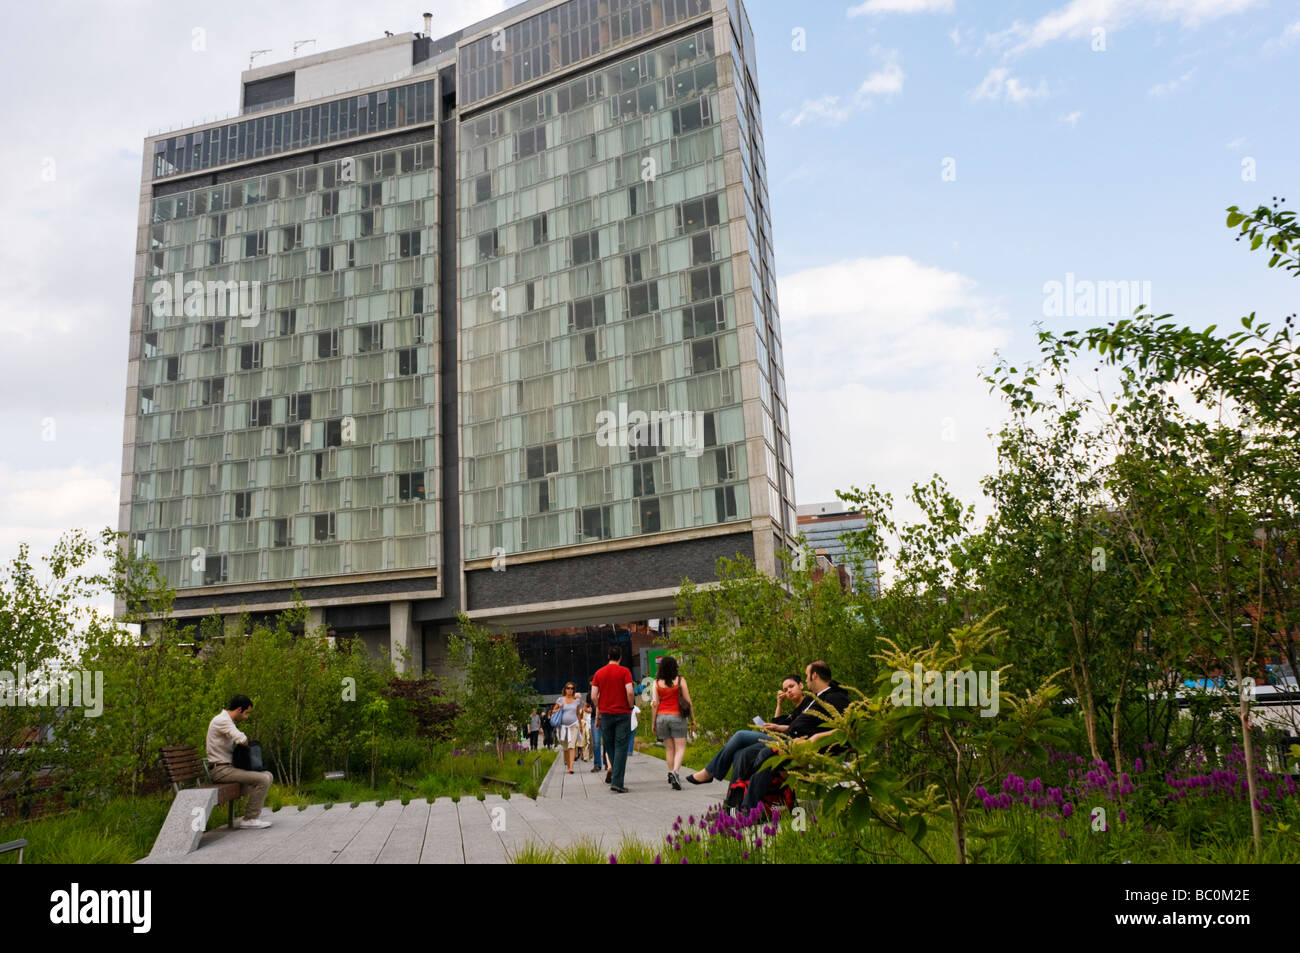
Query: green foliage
{"points": [[937, 754], [309, 698], [739, 639], [497, 693]]}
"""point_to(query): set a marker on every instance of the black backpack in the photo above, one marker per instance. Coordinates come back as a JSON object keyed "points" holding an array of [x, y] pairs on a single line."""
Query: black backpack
{"points": [[249, 757]]}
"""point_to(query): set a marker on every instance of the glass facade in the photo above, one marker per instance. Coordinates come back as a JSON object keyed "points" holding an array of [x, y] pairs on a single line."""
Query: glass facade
{"points": [[596, 278], [286, 425], [767, 324], [559, 37], [617, 321], [319, 124]]}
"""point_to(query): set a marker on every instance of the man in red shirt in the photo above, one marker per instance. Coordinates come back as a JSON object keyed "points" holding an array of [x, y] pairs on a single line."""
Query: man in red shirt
{"points": [[611, 692]]}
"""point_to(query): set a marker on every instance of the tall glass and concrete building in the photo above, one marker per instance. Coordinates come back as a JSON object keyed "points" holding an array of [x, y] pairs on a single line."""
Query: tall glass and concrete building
{"points": [[484, 323]]}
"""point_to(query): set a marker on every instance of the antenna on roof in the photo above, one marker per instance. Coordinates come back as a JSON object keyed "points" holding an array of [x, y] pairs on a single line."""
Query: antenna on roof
{"points": [[254, 55], [298, 43]]}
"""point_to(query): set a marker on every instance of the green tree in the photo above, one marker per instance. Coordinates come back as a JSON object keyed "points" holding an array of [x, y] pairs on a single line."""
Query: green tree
{"points": [[739, 638], [497, 691]]}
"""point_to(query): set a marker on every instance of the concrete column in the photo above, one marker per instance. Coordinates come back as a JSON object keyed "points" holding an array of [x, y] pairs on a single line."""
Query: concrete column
{"points": [[315, 621], [405, 641]]}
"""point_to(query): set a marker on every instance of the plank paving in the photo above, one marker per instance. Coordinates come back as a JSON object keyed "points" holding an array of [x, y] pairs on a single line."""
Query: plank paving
{"points": [[572, 809]]}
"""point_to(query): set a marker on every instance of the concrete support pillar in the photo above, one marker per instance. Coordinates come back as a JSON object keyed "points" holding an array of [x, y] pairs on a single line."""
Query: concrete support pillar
{"points": [[230, 626], [316, 623], [404, 639], [435, 656]]}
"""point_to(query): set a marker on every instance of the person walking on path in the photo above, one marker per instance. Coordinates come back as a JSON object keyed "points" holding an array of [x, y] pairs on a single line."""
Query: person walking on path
{"points": [[534, 726], [599, 758], [670, 709], [584, 722], [570, 730], [611, 690]]}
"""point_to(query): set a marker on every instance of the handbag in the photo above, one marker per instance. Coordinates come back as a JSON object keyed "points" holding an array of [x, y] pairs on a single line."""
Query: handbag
{"points": [[683, 705], [248, 757], [557, 717]]}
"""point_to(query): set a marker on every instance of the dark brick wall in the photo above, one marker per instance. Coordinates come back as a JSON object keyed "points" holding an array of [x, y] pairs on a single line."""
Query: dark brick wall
{"points": [[630, 570]]}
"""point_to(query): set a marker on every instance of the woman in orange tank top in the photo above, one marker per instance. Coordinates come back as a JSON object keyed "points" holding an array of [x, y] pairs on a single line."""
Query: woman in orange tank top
{"points": [[669, 712]]}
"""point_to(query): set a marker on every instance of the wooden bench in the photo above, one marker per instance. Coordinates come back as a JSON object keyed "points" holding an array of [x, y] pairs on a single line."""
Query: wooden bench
{"points": [[183, 765]]}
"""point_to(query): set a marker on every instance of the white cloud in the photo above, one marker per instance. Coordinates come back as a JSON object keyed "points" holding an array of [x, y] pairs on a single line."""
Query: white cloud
{"points": [[882, 358], [998, 83], [1071, 119], [1079, 18], [884, 83], [1290, 35], [38, 505], [827, 109], [877, 7], [1164, 89]]}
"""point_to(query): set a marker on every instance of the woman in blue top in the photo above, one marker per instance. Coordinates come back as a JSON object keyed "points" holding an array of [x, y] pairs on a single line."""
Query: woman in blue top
{"points": [[570, 730]]}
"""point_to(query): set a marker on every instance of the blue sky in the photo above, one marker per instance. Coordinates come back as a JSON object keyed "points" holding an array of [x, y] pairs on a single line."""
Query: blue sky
{"points": [[895, 284]]}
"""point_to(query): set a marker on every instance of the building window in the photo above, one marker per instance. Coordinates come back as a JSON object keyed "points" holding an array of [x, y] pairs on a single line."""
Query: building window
{"points": [[300, 406], [539, 230], [643, 479], [243, 504], [409, 244], [370, 337], [250, 356], [483, 188], [407, 361], [280, 533], [542, 460], [323, 528], [288, 322], [410, 486], [288, 439], [724, 499], [327, 344], [173, 368], [596, 522], [259, 413], [586, 248], [212, 334], [649, 515], [212, 390]]}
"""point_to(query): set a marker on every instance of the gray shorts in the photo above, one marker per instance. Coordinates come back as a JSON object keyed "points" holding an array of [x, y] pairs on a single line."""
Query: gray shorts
{"points": [[670, 726]]}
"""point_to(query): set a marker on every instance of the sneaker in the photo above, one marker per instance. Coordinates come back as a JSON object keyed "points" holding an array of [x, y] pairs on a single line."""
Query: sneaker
{"points": [[674, 780], [617, 790], [255, 823]]}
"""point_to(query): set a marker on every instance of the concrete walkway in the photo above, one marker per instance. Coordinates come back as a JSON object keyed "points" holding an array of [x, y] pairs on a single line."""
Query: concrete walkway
{"points": [[571, 808]]}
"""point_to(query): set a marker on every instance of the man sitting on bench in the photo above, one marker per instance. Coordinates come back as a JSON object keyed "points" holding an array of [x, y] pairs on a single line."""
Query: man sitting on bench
{"points": [[222, 738], [828, 699]]}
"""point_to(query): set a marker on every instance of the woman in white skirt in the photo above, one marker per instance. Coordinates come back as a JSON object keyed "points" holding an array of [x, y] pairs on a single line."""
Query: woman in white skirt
{"points": [[570, 727]]}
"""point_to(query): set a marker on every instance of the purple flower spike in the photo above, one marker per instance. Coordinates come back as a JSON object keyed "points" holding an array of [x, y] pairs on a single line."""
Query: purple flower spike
{"points": [[613, 859], [658, 859]]}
